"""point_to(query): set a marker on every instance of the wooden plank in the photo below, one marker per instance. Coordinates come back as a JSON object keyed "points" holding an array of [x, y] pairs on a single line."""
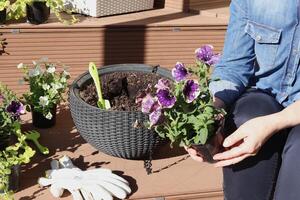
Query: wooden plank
{"points": [[152, 18], [164, 48], [186, 179], [188, 5]]}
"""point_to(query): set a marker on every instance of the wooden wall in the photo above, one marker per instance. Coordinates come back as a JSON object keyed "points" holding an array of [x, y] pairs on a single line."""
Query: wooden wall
{"points": [[187, 5], [76, 47]]}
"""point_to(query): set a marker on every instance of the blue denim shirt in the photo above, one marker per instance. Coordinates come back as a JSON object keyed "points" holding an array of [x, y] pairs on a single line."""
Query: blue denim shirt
{"points": [[262, 50]]}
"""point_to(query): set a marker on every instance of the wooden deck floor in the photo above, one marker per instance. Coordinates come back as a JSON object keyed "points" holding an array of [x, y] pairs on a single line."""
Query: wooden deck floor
{"points": [[162, 36], [185, 180]]}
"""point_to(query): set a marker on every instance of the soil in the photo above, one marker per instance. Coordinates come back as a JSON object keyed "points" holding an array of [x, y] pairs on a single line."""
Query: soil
{"points": [[121, 89]]}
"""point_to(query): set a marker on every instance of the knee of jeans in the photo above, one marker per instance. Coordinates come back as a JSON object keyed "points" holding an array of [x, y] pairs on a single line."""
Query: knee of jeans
{"points": [[253, 105], [292, 145]]}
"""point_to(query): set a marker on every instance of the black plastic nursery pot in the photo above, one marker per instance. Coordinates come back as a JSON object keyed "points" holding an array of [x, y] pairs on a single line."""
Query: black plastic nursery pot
{"points": [[39, 121], [37, 12], [213, 146], [2, 16], [4, 142], [113, 132], [15, 170], [14, 179]]}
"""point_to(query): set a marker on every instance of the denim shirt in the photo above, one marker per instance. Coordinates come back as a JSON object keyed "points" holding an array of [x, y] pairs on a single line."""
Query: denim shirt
{"points": [[262, 50]]}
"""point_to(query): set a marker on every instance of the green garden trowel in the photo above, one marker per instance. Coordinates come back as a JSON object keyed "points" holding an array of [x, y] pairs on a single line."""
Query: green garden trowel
{"points": [[101, 103], [34, 137]]}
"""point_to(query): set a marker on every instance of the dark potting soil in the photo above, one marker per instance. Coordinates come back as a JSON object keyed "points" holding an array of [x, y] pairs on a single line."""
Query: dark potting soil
{"points": [[121, 89]]}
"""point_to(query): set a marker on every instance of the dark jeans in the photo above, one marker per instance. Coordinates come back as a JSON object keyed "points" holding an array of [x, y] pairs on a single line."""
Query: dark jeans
{"points": [[275, 171]]}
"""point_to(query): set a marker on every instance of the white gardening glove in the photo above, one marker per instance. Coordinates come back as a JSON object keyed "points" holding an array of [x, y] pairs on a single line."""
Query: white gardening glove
{"points": [[94, 184]]}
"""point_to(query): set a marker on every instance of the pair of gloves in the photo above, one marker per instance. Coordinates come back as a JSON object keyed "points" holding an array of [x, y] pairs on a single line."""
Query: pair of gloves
{"points": [[93, 184]]}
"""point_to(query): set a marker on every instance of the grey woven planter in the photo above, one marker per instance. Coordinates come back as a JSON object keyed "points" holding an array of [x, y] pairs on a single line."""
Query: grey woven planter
{"points": [[100, 8], [113, 132]]}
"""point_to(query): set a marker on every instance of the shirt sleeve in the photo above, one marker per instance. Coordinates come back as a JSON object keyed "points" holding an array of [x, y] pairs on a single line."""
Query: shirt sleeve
{"points": [[297, 97], [231, 75]]}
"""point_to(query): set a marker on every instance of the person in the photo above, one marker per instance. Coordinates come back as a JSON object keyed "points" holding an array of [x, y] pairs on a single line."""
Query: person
{"points": [[259, 85]]}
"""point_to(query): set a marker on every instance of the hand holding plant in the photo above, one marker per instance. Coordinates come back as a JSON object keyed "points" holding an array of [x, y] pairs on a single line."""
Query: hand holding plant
{"points": [[183, 111], [47, 86]]}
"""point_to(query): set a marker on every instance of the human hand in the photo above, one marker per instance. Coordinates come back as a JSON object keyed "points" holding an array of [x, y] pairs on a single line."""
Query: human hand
{"points": [[218, 103], [246, 140], [193, 153]]}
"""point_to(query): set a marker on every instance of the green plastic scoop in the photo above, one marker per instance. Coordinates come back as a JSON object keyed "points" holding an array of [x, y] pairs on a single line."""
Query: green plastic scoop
{"points": [[101, 103], [34, 136]]}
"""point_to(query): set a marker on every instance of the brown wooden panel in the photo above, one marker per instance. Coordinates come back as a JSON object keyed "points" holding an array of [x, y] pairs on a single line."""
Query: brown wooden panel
{"points": [[186, 5], [104, 46]]}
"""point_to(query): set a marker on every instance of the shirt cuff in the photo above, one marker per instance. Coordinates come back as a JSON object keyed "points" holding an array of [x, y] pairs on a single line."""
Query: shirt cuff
{"points": [[225, 90], [297, 97]]}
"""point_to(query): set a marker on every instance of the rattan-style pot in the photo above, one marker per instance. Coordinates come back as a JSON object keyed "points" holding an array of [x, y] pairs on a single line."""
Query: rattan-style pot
{"points": [[100, 8], [114, 132]]}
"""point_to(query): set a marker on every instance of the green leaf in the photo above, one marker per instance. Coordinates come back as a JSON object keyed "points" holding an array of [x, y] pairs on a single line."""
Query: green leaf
{"points": [[203, 135], [197, 139]]}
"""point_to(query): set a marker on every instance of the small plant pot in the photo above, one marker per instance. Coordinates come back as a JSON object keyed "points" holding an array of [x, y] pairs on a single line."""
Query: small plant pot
{"points": [[2, 16], [37, 12], [13, 180], [4, 142], [39, 121], [213, 146]]}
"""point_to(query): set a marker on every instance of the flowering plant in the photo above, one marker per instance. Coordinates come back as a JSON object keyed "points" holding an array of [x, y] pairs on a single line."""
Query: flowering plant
{"points": [[18, 10], [11, 154], [183, 110], [4, 4], [47, 86]]}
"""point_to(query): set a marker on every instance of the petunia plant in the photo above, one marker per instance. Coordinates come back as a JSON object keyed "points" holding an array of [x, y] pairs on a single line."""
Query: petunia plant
{"points": [[182, 110], [47, 85], [12, 152], [18, 10]]}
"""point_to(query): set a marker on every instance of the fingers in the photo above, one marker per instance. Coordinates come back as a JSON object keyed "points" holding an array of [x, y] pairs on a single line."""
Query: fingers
{"points": [[233, 138], [194, 155], [86, 194], [232, 153], [232, 161]]}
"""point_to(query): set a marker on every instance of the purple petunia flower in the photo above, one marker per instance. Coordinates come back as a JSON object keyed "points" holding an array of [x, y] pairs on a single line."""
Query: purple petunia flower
{"points": [[156, 117], [191, 91], [166, 99], [141, 95], [179, 73], [163, 84], [214, 59], [147, 103], [15, 108], [206, 55]]}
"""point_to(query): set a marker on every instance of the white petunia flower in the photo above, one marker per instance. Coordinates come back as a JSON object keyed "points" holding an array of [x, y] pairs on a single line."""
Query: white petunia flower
{"points": [[56, 86], [46, 87], [51, 69], [63, 79], [34, 63], [65, 73], [20, 66], [53, 92], [44, 101], [49, 116], [34, 72]]}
